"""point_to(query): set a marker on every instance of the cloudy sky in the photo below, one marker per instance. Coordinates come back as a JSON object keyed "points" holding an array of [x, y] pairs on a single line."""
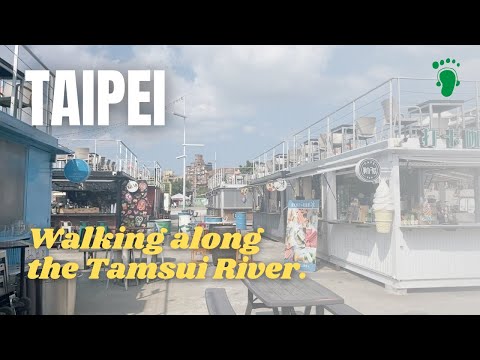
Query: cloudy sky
{"points": [[243, 99]]}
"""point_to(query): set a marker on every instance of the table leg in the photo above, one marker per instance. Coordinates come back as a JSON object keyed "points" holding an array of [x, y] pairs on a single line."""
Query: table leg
{"points": [[308, 309], [165, 305], [149, 260], [22, 270], [319, 310], [248, 311], [38, 298], [275, 311], [126, 261]]}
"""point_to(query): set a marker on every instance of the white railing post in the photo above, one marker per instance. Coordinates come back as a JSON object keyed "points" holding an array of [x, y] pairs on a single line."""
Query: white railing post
{"points": [[48, 118], [309, 146], [274, 166], [476, 105], [126, 160], [390, 110], [119, 156], [294, 150], [399, 107], [328, 139], [354, 140], [265, 164], [288, 155], [13, 108]]}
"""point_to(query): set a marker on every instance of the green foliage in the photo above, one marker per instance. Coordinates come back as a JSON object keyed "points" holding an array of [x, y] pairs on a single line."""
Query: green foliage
{"points": [[247, 169], [177, 186]]}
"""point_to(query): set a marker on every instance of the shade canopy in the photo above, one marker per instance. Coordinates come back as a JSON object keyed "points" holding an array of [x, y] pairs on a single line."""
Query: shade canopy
{"points": [[177, 197]]}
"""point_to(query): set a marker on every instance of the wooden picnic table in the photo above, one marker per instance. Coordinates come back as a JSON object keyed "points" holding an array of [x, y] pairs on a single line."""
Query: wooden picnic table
{"points": [[287, 294]]}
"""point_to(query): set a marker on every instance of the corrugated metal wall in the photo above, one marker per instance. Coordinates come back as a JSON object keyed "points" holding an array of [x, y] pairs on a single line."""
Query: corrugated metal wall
{"points": [[362, 246], [439, 254], [233, 199], [273, 225]]}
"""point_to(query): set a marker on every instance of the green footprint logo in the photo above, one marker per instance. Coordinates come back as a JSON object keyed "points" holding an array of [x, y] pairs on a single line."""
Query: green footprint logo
{"points": [[447, 77]]}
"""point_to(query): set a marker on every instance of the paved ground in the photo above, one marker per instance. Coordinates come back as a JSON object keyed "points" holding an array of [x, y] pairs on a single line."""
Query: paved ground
{"points": [[187, 296]]}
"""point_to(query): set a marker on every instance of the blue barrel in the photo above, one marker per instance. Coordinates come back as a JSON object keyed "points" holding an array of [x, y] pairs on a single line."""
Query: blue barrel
{"points": [[241, 220]]}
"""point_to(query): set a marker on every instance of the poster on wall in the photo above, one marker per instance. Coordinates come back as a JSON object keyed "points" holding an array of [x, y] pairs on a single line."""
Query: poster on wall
{"points": [[134, 204], [302, 233]]}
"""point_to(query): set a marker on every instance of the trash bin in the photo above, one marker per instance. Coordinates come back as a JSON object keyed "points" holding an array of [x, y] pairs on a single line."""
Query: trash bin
{"points": [[222, 253], [52, 297]]}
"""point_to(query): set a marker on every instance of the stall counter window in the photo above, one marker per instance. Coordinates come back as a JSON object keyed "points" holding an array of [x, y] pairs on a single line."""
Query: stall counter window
{"points": [[354, 199], [437, 195]]}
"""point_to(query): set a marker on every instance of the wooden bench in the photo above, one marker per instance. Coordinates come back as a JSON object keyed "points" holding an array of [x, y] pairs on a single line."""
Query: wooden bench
{"points": [[217, 302], [342, 309]]}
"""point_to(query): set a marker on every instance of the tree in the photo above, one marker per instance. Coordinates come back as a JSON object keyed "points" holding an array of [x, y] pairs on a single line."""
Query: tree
{"points": [[177, 186], [247, 169]]}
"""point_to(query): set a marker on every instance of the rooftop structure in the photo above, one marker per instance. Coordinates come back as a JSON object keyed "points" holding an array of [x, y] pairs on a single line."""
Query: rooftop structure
{"points": [[395, 112]]}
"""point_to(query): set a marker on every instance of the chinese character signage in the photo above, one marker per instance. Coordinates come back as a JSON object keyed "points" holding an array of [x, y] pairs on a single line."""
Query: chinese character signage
{"points": [[468, 139], [302, 233]]}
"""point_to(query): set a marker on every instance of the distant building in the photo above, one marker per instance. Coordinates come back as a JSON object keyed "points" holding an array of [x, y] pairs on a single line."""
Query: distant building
{"points": [[168, 175], [198, 173]]}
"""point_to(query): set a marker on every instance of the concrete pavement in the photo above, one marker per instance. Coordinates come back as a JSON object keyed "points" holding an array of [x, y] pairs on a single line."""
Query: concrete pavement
{"points": [[187, 296]]}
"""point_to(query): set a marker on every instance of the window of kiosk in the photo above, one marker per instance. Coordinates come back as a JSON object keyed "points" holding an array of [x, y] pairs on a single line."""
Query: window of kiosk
{"points": [[273, 201], [354, 199], [309, 188], [96, 202], [259, 199], [12, 184], [438, 196]]}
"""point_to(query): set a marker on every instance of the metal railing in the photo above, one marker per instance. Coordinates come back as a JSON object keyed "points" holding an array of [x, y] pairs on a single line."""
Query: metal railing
{"points": [[103, 155], [227, 177], [397, 108], [15, 92], [152, 172]]}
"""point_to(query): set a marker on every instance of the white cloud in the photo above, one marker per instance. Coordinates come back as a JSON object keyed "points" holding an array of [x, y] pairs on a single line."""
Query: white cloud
{"points": [[263, 91], [249, 129]]}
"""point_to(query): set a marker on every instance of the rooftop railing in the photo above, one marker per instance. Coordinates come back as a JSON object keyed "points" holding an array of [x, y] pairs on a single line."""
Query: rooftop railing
{"points": [[108, 155], [152, 172], [397, 108], [15, 92], [226, 177]]}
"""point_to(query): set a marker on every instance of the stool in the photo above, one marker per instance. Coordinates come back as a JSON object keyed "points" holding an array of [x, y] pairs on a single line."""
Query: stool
{"points": [[111, 256], [103, 224], [86, 253], [200, 251], [67, 226], [194, 253], [239, 257], [81, 228]]}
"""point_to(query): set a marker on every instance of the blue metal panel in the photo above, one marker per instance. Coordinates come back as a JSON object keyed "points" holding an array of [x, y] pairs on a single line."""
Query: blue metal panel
{"points": [[38, 188], [13, 257]]}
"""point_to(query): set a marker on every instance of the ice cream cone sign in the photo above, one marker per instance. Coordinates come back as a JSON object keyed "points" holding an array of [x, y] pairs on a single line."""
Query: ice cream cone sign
{"points": [[383, 208]]}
